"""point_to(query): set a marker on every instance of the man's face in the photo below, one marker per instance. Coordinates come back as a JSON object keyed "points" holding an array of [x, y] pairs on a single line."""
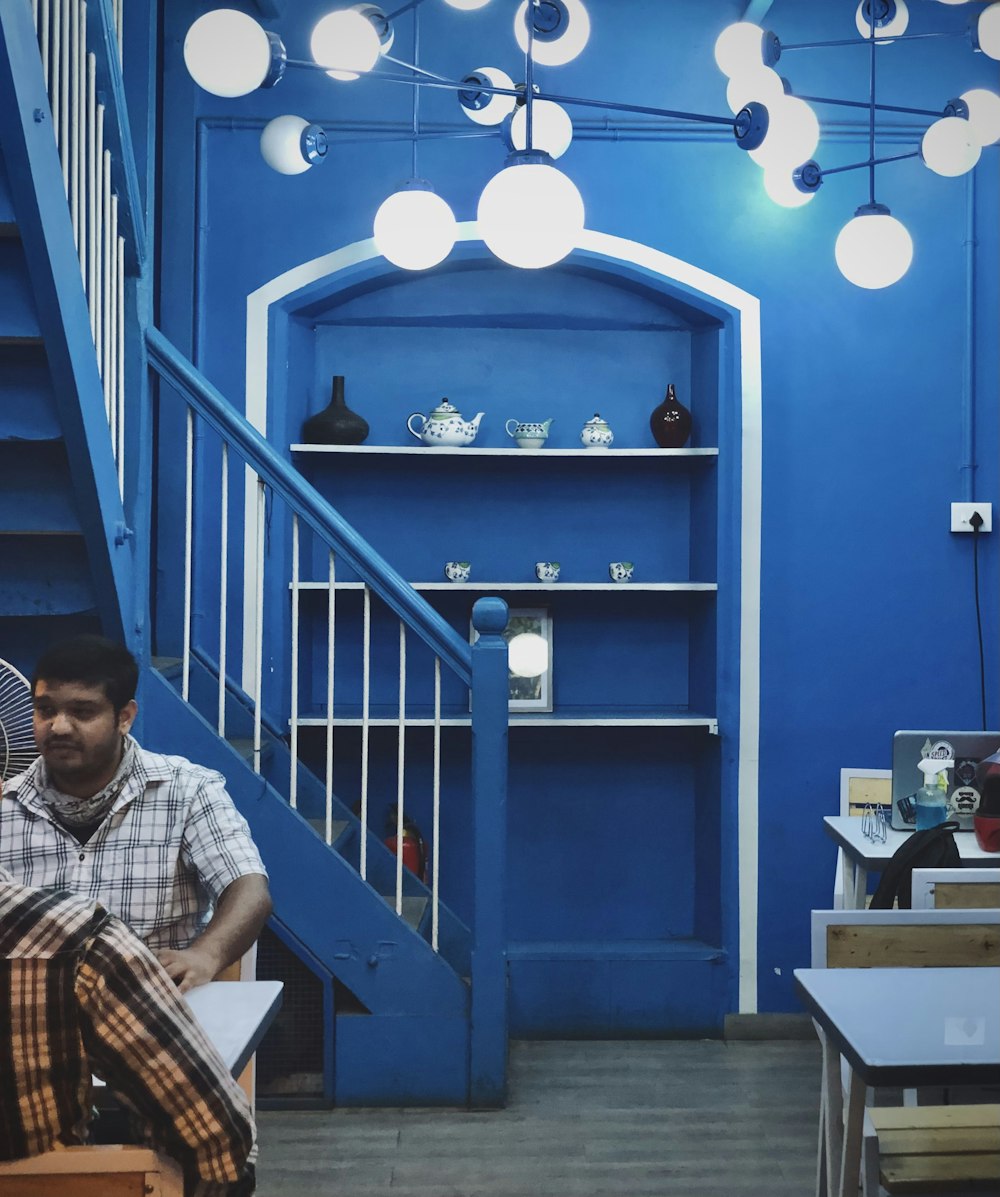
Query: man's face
{"points": [[79, 734]]}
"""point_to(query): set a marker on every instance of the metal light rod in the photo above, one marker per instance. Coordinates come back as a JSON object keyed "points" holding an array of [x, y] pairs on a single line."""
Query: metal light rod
{"points": [[865, 105], [867, 164], [854, 41]]}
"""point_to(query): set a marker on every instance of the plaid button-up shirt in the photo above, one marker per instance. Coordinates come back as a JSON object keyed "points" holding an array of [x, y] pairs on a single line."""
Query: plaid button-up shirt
{"points": [[170, 844], [79, 994]]}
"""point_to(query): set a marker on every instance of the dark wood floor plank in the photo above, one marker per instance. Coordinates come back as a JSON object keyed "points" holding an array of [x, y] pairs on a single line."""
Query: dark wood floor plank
{"points": [[585, 1119]]}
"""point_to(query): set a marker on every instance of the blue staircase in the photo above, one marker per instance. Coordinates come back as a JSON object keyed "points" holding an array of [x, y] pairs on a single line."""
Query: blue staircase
{"points": [[420, 1026]]}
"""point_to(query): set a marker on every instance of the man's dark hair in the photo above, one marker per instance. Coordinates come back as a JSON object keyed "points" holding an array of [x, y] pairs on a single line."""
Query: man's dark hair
{"points": [[92, 661]]}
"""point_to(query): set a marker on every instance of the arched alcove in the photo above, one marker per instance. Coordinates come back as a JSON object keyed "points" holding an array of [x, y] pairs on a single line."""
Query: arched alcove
{"points": [[618, 320]]}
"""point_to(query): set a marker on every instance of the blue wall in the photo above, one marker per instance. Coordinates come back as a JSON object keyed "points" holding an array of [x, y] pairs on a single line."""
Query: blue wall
{"points": [[866, 599]]}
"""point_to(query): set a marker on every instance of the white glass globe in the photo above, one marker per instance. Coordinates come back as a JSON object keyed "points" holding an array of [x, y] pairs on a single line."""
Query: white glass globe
{"points": [[565, 47], [281, 145], [551, 128], [497, 107], [874, 250], [227, 53], [780, 187], [527, 654], [415, 229], [761, 84], [738, 48], [345, 40], [949, 148], [984, 114], [530, 215], [883, 33], [792, 134], [988, 31], [953, 1], [467, 5]]}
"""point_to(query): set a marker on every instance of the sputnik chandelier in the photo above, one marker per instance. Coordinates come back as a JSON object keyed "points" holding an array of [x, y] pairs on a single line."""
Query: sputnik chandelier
{"points": [[531, 214]]}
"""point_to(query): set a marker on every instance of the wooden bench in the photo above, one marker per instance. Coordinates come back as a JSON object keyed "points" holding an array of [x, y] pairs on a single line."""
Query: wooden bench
{"points": [[956, 889], [928, 1149], [112, 1171]]}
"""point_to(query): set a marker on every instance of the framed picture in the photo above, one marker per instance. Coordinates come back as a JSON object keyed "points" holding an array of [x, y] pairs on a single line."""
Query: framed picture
{"points": [[529, 642]]}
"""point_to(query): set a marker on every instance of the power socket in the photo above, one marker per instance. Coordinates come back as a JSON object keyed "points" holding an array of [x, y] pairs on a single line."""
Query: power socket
{"points": [[961, 513]]}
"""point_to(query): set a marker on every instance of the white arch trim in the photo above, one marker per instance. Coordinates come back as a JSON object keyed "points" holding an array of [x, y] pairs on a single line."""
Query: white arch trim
{"points": [[644, 256]]}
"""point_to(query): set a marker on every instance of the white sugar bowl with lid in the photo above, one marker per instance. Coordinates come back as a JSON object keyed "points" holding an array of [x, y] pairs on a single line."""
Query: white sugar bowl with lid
{"points": [[596, 433], [528, 434]]}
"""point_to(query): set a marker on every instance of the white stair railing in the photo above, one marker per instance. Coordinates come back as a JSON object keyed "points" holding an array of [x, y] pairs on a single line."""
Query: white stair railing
{"points": [[79, 123]]}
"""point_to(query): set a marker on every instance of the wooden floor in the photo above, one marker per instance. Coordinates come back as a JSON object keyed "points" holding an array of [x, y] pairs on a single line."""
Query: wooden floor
{"points": [[622, 1119]]}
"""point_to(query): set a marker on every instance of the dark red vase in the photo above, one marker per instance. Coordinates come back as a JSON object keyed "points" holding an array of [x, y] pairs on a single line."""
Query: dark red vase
{"points": [[670, 421], [335, 424]]}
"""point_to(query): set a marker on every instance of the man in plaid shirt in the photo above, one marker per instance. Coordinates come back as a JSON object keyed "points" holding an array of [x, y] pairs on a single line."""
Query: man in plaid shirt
{"points": [[80, 994], [155, 839]]}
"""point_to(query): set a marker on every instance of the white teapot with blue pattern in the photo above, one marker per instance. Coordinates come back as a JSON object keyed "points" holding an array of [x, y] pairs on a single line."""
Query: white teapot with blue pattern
{"points": [[444, 426]]}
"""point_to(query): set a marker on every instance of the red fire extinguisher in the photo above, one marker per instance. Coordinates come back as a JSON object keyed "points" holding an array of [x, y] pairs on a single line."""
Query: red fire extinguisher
{"points": [[414, 848]]}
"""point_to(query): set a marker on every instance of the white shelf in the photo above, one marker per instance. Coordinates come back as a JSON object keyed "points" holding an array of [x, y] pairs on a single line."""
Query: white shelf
{"points": [[519, 586], [472, 450], [551, 720]]}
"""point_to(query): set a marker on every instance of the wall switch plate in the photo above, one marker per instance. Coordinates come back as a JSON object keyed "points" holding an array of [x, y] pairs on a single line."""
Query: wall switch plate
{"points": [[961, 513]]}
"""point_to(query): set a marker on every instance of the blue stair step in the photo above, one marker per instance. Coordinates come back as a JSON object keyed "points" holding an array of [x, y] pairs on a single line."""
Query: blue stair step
{"points": [[18, 318], [45, 576], [36, 495], [26, 396]]}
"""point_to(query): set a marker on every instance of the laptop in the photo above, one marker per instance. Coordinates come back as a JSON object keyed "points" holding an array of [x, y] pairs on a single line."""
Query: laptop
{"points": [[965, 748]]}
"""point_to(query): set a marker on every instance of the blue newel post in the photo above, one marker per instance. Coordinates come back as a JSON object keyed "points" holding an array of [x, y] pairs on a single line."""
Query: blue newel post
{"points": [[488, 1024]]}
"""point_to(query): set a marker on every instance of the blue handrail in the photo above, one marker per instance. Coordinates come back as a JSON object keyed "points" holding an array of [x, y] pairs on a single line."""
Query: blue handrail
{"points": [[308, 504]]}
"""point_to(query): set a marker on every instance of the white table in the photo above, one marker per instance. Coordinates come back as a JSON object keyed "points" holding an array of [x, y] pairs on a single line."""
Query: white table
{"points": [[861, 855], [895, 1026], [235, 1015]]}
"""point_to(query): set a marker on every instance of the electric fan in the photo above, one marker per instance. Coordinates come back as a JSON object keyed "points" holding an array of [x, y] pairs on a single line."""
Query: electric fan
{"points": [[17, 738]]}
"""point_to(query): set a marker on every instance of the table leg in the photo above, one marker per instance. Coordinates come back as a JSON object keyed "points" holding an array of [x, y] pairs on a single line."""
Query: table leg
{"points": [[859, 893], [850, 1164], [831, 1120]]}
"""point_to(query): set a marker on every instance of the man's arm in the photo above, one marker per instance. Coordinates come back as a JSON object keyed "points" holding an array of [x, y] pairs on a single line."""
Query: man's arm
{"points": [[241, 912], [142, 1039]]}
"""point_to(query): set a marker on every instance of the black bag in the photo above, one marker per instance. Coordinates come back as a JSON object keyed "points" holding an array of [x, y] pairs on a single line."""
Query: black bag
{"points": [[931, 849]]}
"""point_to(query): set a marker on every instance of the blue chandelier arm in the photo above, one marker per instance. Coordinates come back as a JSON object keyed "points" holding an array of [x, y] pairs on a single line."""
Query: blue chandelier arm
{"points": [[864, 104], [867, 164], [855, 41], [411, 66], [580, 101], [391, 16]]}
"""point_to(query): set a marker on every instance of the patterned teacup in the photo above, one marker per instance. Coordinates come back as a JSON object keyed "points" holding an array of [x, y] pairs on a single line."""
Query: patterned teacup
{"points": [[621, 571], [547, 571], [457, 571]]}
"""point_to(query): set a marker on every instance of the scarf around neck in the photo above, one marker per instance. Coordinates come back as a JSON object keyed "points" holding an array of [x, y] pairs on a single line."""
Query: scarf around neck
{"points": [[86, 812]]}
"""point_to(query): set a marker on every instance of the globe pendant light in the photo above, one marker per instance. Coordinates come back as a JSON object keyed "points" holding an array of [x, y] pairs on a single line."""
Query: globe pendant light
{"points": [[562, 29], [762, 84], [984, 114], [414, 228], [467, 5], [792, 134], [290, 145], [347, 40], [528, 654], [780, 187], [891, 18], [988, 31], [227, 53], [873, 250], [480, 106], [948, 147], [551, 128], [530, 214], [739, 48]]}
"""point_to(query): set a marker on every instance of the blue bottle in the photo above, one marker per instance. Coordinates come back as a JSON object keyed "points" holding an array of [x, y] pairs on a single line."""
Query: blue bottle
{"points": [[931, 800]]}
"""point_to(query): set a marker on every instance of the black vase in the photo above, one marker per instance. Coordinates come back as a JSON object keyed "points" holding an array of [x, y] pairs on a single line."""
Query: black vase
{"points": [[336, 424], [670, 421]]}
